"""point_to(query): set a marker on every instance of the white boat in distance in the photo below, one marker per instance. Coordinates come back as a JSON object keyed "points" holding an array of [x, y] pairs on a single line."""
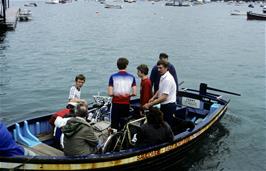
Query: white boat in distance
{"points": [[237, 12], [24, 15], [52, 2]]}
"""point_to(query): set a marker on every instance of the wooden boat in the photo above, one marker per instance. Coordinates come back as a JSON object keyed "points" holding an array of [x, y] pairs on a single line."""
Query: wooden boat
{"points": [[255, 16], [201, 107]]}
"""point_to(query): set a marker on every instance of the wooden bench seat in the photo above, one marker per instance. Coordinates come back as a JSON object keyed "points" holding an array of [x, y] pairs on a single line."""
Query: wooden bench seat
{"points": [[45, 150]]}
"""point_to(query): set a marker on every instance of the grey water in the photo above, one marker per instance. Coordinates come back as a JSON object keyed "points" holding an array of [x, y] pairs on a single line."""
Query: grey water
{"points": [[39, 60]]}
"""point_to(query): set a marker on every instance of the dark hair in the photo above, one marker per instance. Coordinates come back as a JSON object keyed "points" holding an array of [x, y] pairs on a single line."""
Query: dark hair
{"points": [[143, 69], [82, 109], [163, 55], [122, 63], [155, 117], [80, 77], [163, 63]]}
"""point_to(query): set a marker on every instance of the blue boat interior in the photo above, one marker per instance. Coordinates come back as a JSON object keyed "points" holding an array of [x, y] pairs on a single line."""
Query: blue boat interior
{"points": [[26, 134]]}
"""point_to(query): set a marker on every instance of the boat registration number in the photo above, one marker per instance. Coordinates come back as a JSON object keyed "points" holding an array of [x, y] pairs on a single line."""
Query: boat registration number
{"points": [[186, 101]]}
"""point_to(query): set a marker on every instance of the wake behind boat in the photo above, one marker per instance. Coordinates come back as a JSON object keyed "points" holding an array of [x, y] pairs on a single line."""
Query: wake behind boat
{"points": [[200, 107]]}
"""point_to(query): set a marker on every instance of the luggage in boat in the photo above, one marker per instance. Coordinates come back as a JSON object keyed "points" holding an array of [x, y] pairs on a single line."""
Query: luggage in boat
{"points": [[62, 113]]}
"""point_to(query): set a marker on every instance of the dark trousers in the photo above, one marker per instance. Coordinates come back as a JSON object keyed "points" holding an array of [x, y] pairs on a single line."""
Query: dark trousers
{"points": [[119, 114], [168, 111]]}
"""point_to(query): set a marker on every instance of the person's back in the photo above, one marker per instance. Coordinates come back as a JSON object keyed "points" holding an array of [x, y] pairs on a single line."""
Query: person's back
{"points": [[120, 86], [8, 146], [155, 131], [79, 137], [153, 136]]}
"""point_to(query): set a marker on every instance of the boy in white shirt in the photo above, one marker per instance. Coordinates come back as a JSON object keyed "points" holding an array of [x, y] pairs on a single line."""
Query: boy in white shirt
{"points": [[75, 90]]}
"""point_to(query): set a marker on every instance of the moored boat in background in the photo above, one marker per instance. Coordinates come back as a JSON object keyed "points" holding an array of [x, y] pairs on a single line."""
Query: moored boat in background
{"points": [[237, 12], [31, 4], [255, 16], [264, 9], [24, 15], [52, 2], [111, 6]]}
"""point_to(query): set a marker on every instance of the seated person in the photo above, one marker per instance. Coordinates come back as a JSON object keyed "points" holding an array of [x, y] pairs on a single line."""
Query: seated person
{"points": [[155, 130], [8, 146], [79, 136]]}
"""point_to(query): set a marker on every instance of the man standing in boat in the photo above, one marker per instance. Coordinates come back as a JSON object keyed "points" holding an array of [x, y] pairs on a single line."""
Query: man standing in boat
{"points": [[122, 86], [166, 94], [155, 75]]}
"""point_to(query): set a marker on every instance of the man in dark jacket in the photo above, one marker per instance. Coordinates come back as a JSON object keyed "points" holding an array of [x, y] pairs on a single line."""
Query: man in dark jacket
{"points": [[155, 75], [79, 136]]}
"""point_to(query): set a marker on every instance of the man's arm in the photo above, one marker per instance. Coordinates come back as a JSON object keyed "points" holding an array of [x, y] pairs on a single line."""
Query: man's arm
{"points": [[110, 91], [161, 99], [155, 96], [134, 91]]}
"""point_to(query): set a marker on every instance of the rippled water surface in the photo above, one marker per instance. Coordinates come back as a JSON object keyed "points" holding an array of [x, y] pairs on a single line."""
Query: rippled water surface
{"points": [[39, 60]]}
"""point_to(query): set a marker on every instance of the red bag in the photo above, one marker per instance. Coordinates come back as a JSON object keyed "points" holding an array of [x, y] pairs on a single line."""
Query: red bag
{"points": [[62, 113]]}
